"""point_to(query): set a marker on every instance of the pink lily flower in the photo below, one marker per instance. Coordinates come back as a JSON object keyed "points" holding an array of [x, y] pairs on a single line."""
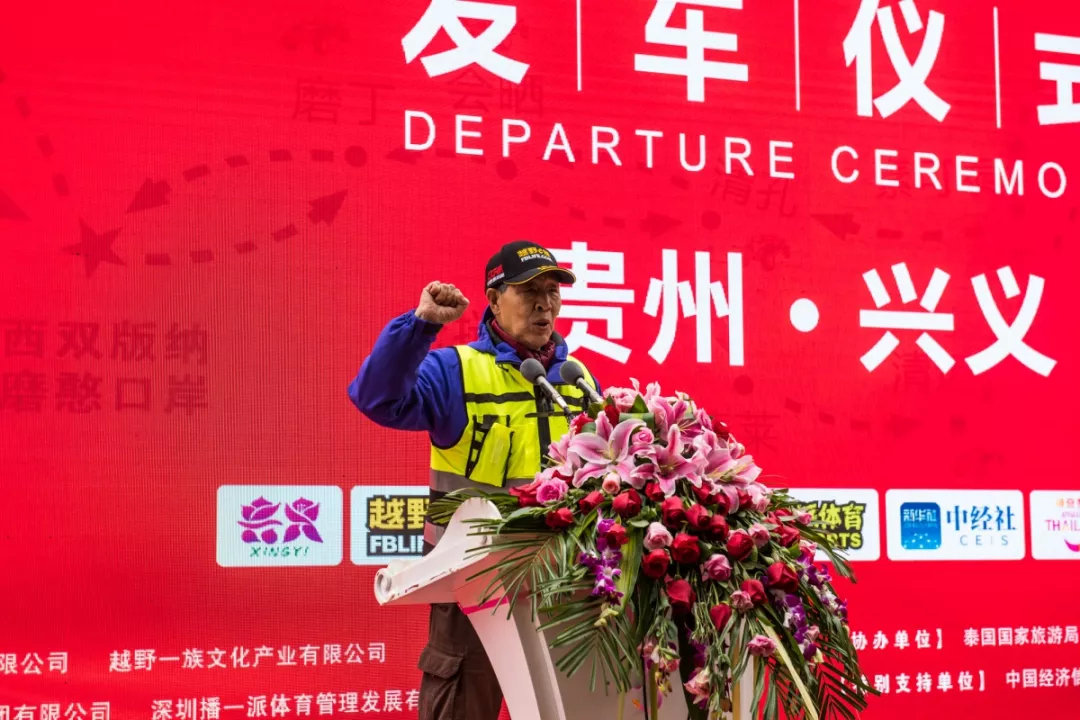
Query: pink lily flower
{"points": [[721, 464], [671, 466], [566, 462], [607, 450], [665, 413]]}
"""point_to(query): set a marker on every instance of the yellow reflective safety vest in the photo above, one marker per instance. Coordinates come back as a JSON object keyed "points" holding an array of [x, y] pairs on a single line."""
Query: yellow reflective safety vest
{"points": [[510, 423]]}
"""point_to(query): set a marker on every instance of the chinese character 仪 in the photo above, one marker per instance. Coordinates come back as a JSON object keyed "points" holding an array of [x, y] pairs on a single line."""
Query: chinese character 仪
{"points": [[911, 76]]}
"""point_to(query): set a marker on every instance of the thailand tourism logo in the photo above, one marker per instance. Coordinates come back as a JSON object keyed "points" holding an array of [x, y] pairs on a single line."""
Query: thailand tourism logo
{"points": [[1055, 524], [279, 525]]}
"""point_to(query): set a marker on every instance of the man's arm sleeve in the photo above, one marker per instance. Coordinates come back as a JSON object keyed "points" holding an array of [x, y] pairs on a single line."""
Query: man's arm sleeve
{"points": [[404, 385]]}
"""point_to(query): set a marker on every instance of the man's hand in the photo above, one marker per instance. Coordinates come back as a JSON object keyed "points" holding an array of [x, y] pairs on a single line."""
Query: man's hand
{"points": [[441, 303]]}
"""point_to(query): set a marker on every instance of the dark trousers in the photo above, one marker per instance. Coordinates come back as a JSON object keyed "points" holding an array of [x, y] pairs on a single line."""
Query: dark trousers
{"points": [[458, 682]]}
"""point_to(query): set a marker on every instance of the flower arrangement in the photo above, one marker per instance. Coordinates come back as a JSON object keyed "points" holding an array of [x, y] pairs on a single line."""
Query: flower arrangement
{"points": [[652, 551]]}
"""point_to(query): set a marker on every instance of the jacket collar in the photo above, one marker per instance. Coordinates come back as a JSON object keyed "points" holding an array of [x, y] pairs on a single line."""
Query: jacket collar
{"points": [[504, 353]]}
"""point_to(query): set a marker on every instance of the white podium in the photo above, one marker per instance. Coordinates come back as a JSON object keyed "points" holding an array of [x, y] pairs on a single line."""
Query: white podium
{"points": [[518, 650]]}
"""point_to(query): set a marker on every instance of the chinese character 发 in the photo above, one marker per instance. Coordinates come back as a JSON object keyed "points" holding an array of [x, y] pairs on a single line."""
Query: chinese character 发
{"points": [[479, 49]]}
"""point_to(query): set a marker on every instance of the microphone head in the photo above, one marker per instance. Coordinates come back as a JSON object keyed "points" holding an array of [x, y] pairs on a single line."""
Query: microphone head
{"points": [[571, 372], [532, 369]]}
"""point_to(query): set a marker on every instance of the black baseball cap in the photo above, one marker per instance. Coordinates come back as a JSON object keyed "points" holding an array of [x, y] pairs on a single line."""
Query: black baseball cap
{"points": [[519, 262]]}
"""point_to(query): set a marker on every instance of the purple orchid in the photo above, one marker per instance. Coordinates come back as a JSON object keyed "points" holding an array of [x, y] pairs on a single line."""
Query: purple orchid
{"points": [[604, 564]]}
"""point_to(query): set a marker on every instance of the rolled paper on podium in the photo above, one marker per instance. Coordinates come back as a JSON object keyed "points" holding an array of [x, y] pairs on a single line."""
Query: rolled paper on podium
{"points": [[518, 649]]}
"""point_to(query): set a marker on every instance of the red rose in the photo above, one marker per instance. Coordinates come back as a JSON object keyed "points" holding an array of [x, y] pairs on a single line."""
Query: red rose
{"points": [[755, 590], [782, 577], [558, 519], [739, 545], [672, 512], [721, 429], [616, 536], [744, 499], [654, 493], [701, 494], [612, 413], [526, 494], [579, 422], [718, 528], [590, 501], [698, 517], [681, 596], [783, 512], [789, 535], [720, 499], [685, 549], [720, 615], [655, 563], [627, 503]]}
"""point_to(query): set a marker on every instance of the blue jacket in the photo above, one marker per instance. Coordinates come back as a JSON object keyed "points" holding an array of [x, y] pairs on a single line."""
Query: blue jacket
{"points": [[404, 384]]}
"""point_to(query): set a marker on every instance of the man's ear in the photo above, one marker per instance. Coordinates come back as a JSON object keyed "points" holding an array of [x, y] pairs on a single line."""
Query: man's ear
{"points": [[492, 298]]}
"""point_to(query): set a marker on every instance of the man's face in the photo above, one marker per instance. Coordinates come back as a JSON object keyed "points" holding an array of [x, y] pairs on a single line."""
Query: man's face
{"points": [[528, 311]]}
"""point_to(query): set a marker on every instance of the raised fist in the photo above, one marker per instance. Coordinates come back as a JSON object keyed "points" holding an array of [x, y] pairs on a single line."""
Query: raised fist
{"points": [[441, 303]]}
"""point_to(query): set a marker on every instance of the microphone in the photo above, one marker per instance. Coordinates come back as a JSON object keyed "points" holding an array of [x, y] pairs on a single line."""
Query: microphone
{"points": [[574, 374], [533, 371]]}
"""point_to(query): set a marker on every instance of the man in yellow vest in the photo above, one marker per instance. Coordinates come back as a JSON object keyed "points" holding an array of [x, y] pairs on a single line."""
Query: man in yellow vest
{"points": [[489, 427]]}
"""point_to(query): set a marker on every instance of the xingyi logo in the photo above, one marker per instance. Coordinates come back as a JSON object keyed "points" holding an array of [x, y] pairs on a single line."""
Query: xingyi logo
{"points": [[261, 527], [920, 526], [268, 525]]}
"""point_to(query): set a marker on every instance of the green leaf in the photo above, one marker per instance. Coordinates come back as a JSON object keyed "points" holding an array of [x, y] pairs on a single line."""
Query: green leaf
{"points": [[631, 563]]}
